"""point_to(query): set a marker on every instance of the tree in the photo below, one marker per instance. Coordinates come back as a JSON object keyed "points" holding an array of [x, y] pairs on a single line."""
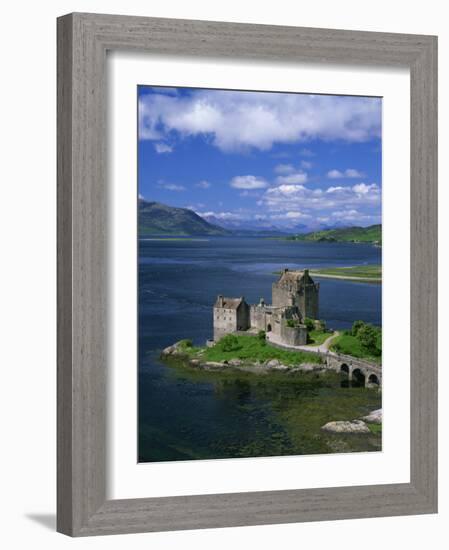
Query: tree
{"points": [[371, 338], [379, 343], [310, 325], [230, 342], [356, 326]]}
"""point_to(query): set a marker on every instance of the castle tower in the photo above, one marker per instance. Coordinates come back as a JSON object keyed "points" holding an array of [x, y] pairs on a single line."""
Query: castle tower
{"points": [[230, 315], [297, 288]]}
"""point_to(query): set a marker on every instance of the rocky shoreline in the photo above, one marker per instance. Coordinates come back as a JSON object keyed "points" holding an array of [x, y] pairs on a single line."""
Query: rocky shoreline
{"points": [[176, 351], [358, 426]]}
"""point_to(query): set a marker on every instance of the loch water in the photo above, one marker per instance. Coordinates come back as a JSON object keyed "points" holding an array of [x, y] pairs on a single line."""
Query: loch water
{"points": [[185, 415]]}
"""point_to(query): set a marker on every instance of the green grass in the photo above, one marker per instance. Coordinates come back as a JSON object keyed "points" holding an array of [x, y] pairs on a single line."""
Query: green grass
{"points": [[371, 234], [349, 345], [366, 271], [317, 337], [375, 429], [251, 349]]}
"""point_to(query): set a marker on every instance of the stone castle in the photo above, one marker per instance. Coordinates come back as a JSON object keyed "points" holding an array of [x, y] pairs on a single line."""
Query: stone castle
{"points": [[295, 296]]}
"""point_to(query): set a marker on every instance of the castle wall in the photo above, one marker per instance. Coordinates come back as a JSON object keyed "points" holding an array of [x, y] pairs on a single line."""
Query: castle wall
{"points": [[276, 322], [308, 300], [293, 336], [243, 322], [228, 320], [281, 296], [225, 322], [302, 294], [258, 317]]}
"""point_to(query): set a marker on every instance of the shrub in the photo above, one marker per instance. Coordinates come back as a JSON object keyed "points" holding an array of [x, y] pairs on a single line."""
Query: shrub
{"points": [[186, 343], [261, 335], [230, 342], [356, 326], [291, 323], [310, 325], [369, 336]]}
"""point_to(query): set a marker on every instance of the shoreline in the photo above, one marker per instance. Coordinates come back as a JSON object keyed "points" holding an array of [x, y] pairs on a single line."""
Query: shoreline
{"points": [[175, 352], [376, 280]]}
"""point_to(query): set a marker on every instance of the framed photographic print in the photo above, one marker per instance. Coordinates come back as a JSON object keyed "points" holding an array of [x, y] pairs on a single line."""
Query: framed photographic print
{"points": [[247, 274]]}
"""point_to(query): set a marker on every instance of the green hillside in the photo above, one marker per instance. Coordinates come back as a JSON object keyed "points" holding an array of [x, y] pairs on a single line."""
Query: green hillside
{"points": [[159, 219], [371, 234]]}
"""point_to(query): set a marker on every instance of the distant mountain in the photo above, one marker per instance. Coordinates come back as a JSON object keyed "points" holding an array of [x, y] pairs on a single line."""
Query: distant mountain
{"points": [[245, 226], [159, 219], [371, 234], [263, 227], [248, 228]]}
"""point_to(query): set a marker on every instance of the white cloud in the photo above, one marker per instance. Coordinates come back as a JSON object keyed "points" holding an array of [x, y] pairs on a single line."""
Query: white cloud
{"points": [[242, 120], [203, 184], [294, 197], [348, 173], [195, 207], [163, 148], [285, 190], [284, 169], [296, 177], [221, 215], [352, 173], [294, 215], [363, 188], [352, 216], [248, 182], [334, 174], [171, 186], [307, 165]]}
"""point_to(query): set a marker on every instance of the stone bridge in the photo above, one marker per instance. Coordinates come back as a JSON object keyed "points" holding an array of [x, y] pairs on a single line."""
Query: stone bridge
{"points": [[356, 369], [360, 370]]}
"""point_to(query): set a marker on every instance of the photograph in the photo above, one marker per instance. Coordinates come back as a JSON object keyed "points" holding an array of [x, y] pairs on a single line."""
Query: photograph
{"points": [[259, 273]]}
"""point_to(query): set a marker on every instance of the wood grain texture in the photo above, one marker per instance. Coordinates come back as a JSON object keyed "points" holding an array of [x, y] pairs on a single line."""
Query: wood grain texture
{"points": [[83, 40]]}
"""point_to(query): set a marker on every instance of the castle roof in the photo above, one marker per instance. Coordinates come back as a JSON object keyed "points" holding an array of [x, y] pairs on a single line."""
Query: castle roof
{"points": [[293, 276], [228, 303]]}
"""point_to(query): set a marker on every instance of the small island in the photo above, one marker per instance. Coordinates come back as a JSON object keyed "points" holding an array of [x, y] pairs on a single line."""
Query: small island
{"points": [[284, 336]]}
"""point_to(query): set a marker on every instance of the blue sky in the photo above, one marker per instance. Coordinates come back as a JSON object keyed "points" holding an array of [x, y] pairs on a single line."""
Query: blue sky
{"points": [[262, 159]]}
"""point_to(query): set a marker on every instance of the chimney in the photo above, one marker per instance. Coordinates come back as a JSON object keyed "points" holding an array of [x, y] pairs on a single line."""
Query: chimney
{"points": [[220, 300]]}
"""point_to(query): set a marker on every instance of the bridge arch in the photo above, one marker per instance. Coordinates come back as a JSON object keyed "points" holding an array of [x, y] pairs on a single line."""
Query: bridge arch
{"points": [[373, 379], [344, 369], [358, 377]]}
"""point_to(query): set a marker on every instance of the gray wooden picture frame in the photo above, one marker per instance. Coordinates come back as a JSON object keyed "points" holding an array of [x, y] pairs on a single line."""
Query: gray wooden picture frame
{"points": [[83, 40]]}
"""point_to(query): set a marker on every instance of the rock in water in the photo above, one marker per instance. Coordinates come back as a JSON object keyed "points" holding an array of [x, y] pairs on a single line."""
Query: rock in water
{"points": [[346, 426], [375, 417], [172, 350]]}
